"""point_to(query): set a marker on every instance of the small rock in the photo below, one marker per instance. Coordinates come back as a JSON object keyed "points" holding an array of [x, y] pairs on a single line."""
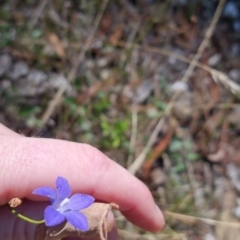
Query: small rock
{"points": [[214, 59], [209, 236], [182, 2], [35, 83], [5, 63], [234, 174], [105, 74], [237, 212], [143, 91], [149, 1], [98, 44], [233, 118], [89, 64], [172, 60], [199, 197], [236, 25], [234, 74], [183, 107], [235, 50], [179, 86], [5, 84], [158, 177], [221, 185], [30, 91], [231, 10], [57, 80], [152, 112], [127, 92], [102, 62], [20, 69], [36, 77]]}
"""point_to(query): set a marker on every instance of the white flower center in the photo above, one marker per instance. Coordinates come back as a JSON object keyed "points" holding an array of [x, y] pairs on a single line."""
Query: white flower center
{"points": [[64, 202]]}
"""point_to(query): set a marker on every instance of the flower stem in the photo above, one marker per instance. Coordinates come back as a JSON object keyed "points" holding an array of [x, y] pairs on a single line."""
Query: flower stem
{"points": [[27, 219]]}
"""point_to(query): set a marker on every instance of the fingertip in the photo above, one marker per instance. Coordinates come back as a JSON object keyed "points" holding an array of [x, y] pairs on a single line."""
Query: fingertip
{"points": [[152, 221], [159, 220]]}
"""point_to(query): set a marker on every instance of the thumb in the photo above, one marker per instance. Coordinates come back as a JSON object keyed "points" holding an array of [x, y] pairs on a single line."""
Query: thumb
{"points": [[12, 227]]}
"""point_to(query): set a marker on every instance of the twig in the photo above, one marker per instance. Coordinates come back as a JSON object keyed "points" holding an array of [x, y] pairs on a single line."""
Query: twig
{"points": [[72, 74], [133, 74], [130, 40], [189, 169], [37, 13], [205, 41], [217, 75], [133, 135], [192, 219], [140, 159], [133, 168], [160, 236]]}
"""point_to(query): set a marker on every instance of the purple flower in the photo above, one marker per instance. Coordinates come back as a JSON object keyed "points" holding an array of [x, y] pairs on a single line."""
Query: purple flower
{"points": [[64, 207]]}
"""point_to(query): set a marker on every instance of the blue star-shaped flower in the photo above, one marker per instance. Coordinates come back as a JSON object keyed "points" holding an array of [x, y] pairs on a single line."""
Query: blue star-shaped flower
{"points": [[64, 207]]}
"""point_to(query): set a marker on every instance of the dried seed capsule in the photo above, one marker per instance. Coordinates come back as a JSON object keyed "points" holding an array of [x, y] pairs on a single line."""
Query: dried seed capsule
{"points": [[100, 219], [15, 202]]}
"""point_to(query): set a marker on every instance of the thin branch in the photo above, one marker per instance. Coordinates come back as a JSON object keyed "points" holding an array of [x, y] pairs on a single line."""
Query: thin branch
{"points": [[37, 13], [130, 40], [192, 219], [72, 74], [217, 75], [205, 41], [140, 159], [133, 135], [133, 168]]}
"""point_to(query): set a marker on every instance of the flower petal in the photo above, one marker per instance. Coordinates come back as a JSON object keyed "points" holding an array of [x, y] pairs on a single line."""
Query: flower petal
{"points": [[80, 201], [46, 192], [77, 219], [63, 188], [52, 217]]}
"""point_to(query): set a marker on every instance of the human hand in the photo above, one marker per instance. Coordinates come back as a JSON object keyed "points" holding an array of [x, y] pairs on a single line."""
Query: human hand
{"points": [[28, 163]]}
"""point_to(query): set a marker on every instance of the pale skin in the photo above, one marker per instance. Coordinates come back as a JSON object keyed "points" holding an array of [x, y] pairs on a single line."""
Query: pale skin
{"points": [[28, 163]]}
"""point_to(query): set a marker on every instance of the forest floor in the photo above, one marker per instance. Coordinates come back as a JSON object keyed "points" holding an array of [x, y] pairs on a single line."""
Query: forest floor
{"points": [[155, 85]]}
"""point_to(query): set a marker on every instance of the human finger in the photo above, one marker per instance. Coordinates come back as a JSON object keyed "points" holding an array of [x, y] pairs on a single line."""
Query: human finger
{"points": [[12, 227], [4, 131], [28, 163]]}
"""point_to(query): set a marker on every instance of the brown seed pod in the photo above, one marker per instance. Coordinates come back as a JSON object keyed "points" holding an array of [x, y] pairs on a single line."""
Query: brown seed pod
{"points": [[100, 219], [15, 202]]}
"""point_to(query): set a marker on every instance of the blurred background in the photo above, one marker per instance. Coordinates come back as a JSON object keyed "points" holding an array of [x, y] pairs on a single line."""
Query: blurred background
{"points": [[154, 84]]}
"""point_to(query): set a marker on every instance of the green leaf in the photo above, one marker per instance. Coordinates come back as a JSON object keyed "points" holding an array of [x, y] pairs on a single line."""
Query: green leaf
{"points": [[36, 33]]}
